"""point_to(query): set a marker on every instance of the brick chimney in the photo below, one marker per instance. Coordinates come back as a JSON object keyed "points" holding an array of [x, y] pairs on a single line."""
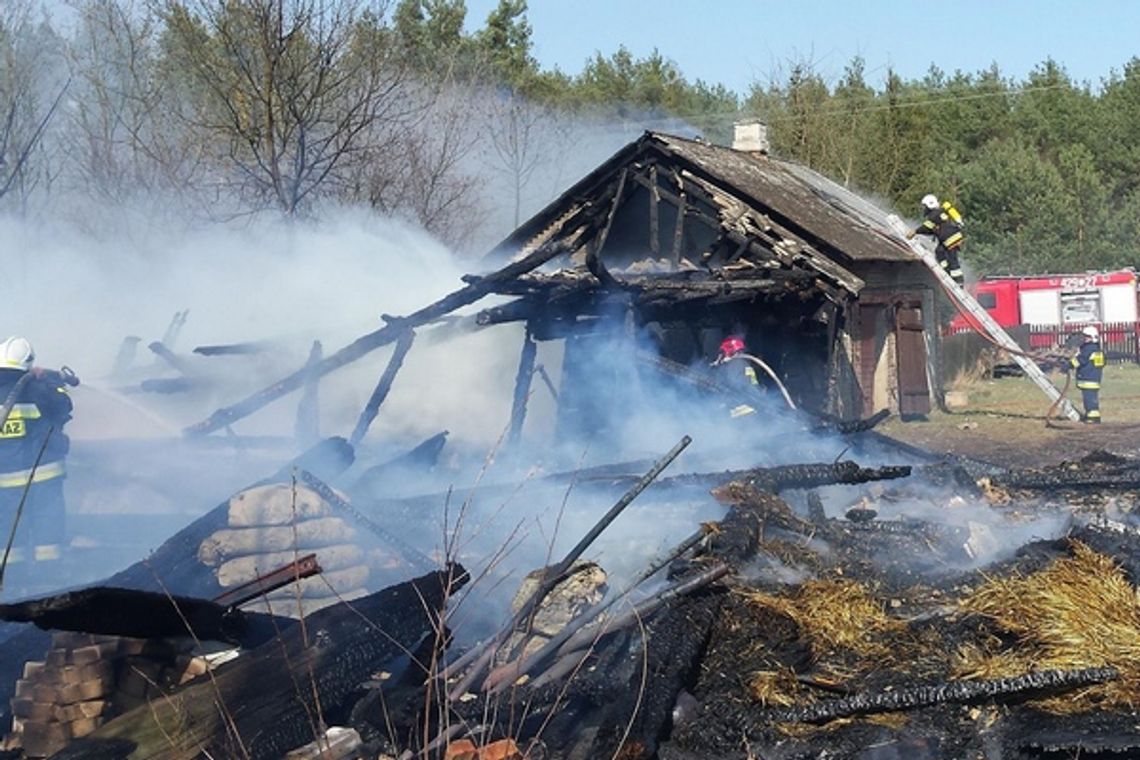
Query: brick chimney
{"points": [[750, 136]]}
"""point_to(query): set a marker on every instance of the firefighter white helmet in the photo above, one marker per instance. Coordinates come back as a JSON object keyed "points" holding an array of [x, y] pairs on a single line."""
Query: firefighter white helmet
{"points": [[17, 353], [930, 201], [1091, 332]]}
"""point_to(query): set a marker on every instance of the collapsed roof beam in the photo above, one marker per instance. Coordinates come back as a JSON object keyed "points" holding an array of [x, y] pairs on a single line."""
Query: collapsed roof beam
{"points": [[374, 340], [783, 240]]}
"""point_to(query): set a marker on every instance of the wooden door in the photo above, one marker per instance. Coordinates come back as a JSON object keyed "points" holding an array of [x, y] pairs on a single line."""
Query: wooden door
{"points": [[872, 329], [910, 351]]}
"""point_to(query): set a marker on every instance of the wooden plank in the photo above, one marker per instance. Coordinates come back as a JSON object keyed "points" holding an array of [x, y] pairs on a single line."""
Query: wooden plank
{"points": [[654, 226]]}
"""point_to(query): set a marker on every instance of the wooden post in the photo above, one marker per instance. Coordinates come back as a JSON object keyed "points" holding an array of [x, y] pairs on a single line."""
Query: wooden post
{"points": [[522, 387], [372, 408], [307, 428]]}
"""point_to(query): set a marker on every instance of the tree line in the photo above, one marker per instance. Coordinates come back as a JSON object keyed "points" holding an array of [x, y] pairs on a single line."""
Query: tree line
{"points": [[225, 109]]}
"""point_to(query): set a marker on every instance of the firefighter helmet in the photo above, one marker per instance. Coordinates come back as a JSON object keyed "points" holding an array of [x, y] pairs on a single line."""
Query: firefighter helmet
{"points": [[731, 346], [17, 353], [930, 201], [1091, 332]]}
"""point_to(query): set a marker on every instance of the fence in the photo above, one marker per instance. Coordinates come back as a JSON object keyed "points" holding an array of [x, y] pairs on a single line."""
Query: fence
{"points": [[1118, 340]]}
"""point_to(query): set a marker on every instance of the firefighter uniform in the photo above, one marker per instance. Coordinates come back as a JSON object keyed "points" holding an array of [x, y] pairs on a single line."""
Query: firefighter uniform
{"points": [[940, 223], [40, 410], [740, 376], [1089, 364]]}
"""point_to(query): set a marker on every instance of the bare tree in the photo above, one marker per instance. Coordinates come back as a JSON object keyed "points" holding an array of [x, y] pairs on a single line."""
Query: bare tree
{"points": [[125, 142], [515, 128], [529, 146], [288, 90], [30, 95]]}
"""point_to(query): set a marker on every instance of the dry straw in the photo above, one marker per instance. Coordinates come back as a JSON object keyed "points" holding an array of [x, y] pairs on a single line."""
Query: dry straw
{"points": [[1079, 612]]}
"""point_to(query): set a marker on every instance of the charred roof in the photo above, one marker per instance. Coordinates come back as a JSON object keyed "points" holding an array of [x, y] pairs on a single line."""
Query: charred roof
{"points": [[818, 214]]}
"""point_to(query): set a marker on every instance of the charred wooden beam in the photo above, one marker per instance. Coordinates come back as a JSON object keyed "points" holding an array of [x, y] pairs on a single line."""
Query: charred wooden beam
{"points": [[542, 373], [413, 556], [308, 426], [127, 612], [654, 202], [175, 361], [233, 349], [374, 340], [1060, 478], [479, 657], [175, 327], [1042, 681], [272, 700], [169, 385], [783, 477], [847, 427], [539, 659], [578, 645], [383, 386], [593, 250], [522, 388], [783, 241], [125, 359]]}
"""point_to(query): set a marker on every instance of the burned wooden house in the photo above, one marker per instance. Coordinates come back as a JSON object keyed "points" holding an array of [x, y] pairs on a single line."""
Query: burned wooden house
{"points": [[683, 242]]}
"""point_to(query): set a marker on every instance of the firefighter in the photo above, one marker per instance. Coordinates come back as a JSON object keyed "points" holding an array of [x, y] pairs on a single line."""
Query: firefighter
{"points": [[1089, 364], [943, 223], [739, 375], [38, 407]]}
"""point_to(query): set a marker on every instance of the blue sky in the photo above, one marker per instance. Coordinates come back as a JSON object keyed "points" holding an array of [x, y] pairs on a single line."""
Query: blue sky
{"points": [[735, 42]]}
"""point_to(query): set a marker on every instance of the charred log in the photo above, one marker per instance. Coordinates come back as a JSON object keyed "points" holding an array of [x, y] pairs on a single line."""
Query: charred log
{"points": [[1038, 683], [1081, 478], [783, 477]]}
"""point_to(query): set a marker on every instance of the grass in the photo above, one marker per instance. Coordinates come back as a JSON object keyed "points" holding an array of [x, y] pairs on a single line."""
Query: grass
{"points": [[1003, 421]]}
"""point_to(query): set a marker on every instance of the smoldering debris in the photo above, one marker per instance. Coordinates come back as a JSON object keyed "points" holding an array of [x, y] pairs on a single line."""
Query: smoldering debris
{"points": [[779, 583]]}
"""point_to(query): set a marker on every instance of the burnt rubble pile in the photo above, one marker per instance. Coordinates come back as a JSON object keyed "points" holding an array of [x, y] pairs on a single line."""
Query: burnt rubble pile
{"points": [[835, 610]]}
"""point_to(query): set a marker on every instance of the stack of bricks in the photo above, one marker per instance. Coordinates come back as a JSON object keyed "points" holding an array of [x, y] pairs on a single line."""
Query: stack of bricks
{"points": [[65, 696], [270, 526]]}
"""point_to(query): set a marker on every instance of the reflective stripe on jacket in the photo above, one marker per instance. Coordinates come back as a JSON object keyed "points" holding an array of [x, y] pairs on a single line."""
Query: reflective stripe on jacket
{"points": [[20, 478], [1089, 363], [941, 227], [41, 410]]}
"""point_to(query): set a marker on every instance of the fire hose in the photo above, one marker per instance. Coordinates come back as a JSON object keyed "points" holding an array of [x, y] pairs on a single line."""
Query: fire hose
{"points": [[63, 375], [768, 370], [970, 322]]}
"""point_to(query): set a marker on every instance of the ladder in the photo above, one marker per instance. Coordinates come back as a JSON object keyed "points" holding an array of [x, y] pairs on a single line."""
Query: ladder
{"points": [[983, 318]]}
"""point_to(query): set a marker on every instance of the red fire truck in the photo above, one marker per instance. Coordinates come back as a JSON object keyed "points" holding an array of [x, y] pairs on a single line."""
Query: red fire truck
{"points": [[1059, 303]]}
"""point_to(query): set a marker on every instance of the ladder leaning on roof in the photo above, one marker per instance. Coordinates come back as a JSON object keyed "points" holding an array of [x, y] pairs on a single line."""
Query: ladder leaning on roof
{"points": [[982, 318]]}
